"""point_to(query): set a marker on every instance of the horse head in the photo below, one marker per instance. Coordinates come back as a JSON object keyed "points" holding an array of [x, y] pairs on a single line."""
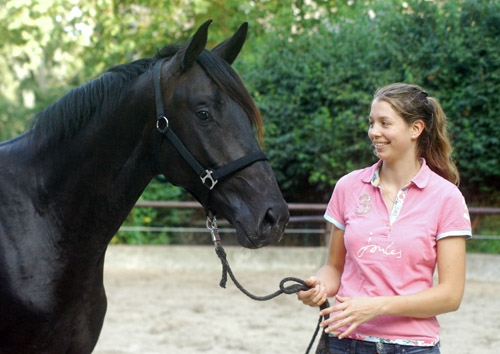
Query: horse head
{"points": [[215, 120]]}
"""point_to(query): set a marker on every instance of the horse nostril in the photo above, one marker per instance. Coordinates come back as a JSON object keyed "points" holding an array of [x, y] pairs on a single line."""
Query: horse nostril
{"points": [[269, 220]]}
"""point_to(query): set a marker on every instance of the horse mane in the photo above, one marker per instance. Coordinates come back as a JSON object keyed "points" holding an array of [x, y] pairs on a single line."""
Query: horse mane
{"points": [[63, 119]]}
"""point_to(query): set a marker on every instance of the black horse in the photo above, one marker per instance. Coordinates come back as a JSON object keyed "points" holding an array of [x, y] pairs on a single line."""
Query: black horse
{"points": [[68, 183]]}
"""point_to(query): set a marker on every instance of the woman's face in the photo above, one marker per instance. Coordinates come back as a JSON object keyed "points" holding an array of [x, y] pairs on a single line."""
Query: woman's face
{"points": [[390, 134]]}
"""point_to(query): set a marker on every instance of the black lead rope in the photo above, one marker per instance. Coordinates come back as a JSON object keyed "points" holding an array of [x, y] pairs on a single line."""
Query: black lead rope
{"points": [[290, 289]]}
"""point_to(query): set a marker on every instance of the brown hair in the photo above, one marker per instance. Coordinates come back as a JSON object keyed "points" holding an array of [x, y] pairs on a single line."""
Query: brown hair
{"points": [[412, 103]]}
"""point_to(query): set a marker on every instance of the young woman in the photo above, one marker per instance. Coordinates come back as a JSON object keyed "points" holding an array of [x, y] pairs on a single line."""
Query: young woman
{"points": [[393, 223]]}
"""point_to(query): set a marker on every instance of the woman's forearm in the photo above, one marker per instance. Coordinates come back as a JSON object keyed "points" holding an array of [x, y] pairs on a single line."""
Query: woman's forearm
{"points": [[442, 298], [326, 282], [358, 310], [428, 303], [331, 273]]}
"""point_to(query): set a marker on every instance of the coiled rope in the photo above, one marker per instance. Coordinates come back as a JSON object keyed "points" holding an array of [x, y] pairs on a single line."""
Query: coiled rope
{"points": [[299, 285]]}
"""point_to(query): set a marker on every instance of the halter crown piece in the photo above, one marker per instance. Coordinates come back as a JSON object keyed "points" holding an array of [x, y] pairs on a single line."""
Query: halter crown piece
{"points": [[209, 178]]}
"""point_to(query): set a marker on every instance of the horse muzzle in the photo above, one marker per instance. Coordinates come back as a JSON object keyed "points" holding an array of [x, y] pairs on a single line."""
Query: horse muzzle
{"points": [[266, 229]]}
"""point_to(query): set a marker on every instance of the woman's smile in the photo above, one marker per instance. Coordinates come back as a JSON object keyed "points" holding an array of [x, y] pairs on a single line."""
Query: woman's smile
{"points": [[380, 145]]}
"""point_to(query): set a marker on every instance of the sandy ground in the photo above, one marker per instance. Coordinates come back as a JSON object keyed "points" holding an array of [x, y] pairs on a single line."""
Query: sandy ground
{"points": [[167, 300]]}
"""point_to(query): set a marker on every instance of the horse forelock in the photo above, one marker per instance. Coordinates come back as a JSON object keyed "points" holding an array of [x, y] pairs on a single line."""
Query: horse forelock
{"points": [[167, 51]]}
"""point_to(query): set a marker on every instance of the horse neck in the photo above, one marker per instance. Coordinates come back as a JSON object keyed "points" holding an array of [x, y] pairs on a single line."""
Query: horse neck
{"points": [[91, 182]]}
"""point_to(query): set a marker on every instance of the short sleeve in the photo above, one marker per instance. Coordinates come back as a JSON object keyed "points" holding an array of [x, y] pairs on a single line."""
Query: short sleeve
{"points": [[454, 219], [335, 209]]}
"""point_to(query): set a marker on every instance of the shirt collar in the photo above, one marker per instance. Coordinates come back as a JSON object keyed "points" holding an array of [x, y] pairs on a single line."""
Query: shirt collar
{"points": [[422, 177], [371, 174]]}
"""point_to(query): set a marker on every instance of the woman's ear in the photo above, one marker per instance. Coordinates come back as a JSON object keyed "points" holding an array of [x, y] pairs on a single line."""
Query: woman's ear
{"points": [[417, 128]]}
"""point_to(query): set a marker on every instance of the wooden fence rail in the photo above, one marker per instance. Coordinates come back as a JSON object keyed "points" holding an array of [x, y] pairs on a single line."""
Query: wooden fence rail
{"points": [[476, 212], [291, 206]]}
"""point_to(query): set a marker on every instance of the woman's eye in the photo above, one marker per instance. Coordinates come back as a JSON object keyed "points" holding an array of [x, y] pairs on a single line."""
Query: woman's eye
{"points": [[204, 116]]}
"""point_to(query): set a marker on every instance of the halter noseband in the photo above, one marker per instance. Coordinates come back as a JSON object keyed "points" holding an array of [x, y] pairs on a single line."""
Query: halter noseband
{"points": [[209, 178]]}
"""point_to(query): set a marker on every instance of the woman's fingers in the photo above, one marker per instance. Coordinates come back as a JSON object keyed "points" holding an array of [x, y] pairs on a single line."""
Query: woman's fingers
{"points": [[312, 281], [349, 330], [313, 297], [319, 295], [351, 313]]}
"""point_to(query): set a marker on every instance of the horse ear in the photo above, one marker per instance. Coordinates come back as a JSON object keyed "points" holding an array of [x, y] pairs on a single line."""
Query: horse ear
{"points": [[193, 48], [231, 47], [183, 60]]}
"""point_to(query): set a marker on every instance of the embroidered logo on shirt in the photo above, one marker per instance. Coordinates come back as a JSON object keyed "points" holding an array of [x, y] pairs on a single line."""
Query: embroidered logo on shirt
{"points": [[372, 248], [364, 201]]}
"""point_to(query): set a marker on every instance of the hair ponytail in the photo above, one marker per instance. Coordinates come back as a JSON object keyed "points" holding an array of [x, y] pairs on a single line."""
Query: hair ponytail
{"points": [[412, 103], [434, 145]]}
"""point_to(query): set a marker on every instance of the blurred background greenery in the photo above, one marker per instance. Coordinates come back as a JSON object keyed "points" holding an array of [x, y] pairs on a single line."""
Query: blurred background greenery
{"points": [[311, 66]]}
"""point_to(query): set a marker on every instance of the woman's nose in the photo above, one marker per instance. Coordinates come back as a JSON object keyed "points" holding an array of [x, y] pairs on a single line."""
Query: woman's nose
{"points": [[373, 131]]}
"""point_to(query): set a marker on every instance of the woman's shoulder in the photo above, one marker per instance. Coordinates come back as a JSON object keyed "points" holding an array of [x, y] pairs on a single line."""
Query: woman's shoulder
{"points": [[431, 182], [437, 182], [442, 191]]}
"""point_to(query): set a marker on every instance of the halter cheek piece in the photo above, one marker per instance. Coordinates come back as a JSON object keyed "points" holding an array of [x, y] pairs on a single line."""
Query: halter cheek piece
{"points": [[209, 178]]}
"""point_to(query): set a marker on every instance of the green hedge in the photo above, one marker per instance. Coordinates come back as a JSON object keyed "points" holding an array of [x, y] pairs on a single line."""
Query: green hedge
{"points": [[314, 90]]}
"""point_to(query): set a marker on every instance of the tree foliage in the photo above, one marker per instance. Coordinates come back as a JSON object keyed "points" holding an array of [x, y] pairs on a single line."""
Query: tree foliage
{"points": [[312, 67], [51, 46], [315, 89]]}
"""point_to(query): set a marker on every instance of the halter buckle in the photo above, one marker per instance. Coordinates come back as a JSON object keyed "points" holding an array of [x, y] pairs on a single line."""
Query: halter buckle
{"points": [[159, 124], [212, 181]]}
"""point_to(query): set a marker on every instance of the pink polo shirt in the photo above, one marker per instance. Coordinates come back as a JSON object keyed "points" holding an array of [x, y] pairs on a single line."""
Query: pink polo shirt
{"points": [[390, 254]]}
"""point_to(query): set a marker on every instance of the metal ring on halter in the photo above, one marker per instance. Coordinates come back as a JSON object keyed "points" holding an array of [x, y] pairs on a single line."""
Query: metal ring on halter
{"points": [[165, 128]]}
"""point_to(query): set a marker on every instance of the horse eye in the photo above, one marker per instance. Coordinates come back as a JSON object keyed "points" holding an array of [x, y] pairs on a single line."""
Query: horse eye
{"points": [[204, 116]]}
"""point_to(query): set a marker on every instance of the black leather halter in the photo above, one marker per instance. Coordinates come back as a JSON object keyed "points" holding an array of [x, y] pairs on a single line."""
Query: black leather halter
{"points": [[209, 178]]}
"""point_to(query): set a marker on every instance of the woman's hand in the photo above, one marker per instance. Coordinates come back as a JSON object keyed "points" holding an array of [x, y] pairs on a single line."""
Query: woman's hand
{"points": [[313, 297], [352, 312]]}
